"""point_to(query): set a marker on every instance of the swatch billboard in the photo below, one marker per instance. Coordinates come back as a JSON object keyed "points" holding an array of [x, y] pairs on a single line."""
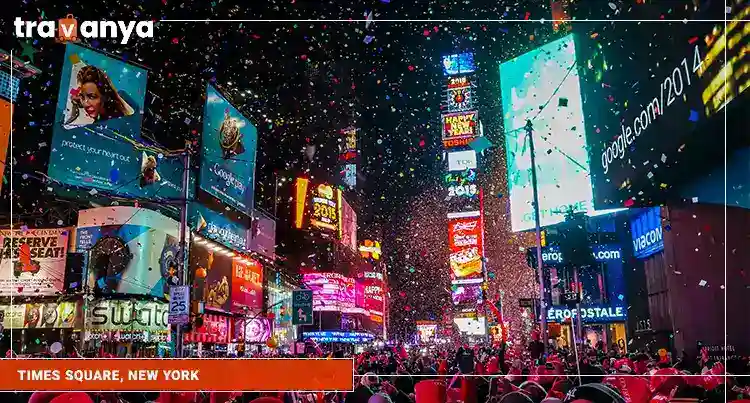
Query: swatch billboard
{"points": [[97, 141], [466, 247], [228, 149], [562, 161], [130, 250]]}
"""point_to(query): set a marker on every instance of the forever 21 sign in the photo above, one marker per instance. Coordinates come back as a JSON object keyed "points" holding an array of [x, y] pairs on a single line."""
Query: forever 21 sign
{"points": [[127, 315]]}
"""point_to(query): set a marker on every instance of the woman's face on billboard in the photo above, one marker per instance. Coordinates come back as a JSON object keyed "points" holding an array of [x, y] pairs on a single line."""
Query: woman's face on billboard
{"points": [[91, 99]]}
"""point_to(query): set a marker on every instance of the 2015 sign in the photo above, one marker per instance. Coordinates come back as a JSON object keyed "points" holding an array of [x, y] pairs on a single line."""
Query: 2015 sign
{"points": [[463, 190], [460, 125]]}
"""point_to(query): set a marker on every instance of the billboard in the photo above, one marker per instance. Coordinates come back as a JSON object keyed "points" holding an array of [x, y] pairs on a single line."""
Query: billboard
{"points": [[349, 174], [217, 227], [46, 315], [426, 330], [262, 236], [650, 138], [467, 294], [348, 226], [254, 331], [462, 160], [562, 162], [331, 292], [33, 261], [460, 95], [124, 315], [131, 250], [460, 128], [214, 268], [228, 147], [646, 232], [96, 140], [247, 285], [462, 183], [466, 247], [348, 146], [461, 63], [325, 203]]}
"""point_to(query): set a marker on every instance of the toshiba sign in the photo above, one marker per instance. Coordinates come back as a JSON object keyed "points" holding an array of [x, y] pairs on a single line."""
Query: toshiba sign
{"points": [[462, 160]]}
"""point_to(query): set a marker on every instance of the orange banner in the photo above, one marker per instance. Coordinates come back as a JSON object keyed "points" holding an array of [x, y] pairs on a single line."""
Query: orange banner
{"points": [[177, 375]]}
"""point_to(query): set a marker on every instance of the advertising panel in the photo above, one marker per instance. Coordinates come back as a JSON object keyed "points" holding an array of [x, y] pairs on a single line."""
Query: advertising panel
{"points": [[460, 128], [338, 337], [426, 331], [350, 175], [47, 315], [131, 250], [332, 292], [562, 161], [229, 145], [646, 232], [324, 212], [262, 238], [459, 94], [215, 329], [115, 315], [348, 226], [97, 130], [348, 147], [213, 267], [247, 285], [471, 325], [602, 253], [254, 331], [217, 227], [462, 184], [654, 138], [467, 294], [462, 160], [461, 63], [466, 248], [33, 261]]}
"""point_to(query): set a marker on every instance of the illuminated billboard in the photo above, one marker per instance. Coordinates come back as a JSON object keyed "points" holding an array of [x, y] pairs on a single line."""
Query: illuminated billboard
{"points": [[460, 128], [467, 294], [462, 63], [462, 183], [228, 147], [324, 207], [97, 140], [466, 247], [459, 95], [332, 292], [462, 160], [348, 147], [562, 161]]}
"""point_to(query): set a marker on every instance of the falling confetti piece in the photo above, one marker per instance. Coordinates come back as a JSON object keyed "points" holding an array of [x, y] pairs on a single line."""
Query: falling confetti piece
{"points": [[702, 283], [693, 116]]}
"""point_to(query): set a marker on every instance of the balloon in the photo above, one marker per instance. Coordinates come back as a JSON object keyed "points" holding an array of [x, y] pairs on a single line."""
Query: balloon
{"points": [[200, 272], [56, 347]]}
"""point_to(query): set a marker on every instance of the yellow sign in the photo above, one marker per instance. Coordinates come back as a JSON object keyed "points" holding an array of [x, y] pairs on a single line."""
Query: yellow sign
{"points": [[460, 125]]}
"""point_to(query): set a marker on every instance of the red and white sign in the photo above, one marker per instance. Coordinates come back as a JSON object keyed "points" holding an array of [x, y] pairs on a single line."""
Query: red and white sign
{"points": [[215, 329], [465, 243]]}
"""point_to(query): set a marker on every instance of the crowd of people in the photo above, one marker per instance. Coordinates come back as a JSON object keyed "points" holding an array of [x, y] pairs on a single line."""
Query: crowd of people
{"points": [[480, 374]]}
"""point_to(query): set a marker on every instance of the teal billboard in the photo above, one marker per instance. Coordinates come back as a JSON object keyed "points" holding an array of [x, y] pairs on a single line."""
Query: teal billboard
{"points": [[97, 139], [228, 149], [217, 227]]}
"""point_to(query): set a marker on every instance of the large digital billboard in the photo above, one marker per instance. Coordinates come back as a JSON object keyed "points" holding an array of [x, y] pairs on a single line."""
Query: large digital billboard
{"points": [[655, 115], [646, 231], [228, 149], [460, 95], [332, 292], [33, 261], [217, 227], [461, 63], [130, 250], [556, 112], [460, 128], [466, 247], [96, 140]]}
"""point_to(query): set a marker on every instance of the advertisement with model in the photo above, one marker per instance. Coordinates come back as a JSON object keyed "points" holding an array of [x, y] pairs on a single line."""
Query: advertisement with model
{"points": [[247, 285], [97, 140], [228, 149], [130, 250], [33, 261]]}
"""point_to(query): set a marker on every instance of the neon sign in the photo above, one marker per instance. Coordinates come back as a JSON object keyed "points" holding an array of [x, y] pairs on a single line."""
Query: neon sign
{"points": [[460, 125], [325, 208]]}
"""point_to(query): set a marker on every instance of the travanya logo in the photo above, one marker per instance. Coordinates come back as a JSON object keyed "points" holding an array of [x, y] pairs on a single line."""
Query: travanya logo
{"points": [[67, 29]]}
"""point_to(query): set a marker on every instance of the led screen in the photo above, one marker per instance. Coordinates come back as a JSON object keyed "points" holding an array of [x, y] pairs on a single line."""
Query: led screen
{"points": [[466, 247], [228, 148], [462, 63], [331, 292], [96, 140], [562, 162]]}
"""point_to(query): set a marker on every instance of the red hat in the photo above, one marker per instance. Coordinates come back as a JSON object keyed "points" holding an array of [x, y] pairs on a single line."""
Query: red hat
{"points": [[267, 400], [633, 389], [663, 381], [56, 397], [430, 392], [469, 390]]}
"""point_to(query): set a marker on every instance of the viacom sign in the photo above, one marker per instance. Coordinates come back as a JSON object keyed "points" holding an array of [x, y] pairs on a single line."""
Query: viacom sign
{"points": [[602, 253], [646, 231]]}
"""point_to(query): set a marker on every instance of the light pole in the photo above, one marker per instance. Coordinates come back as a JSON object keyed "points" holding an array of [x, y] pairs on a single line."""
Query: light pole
{"points": [[542, 308]]}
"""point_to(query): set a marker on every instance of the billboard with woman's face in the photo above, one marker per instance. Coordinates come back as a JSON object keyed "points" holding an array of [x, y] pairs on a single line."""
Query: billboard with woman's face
{"points": [[97, 130], [228, 148]]}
